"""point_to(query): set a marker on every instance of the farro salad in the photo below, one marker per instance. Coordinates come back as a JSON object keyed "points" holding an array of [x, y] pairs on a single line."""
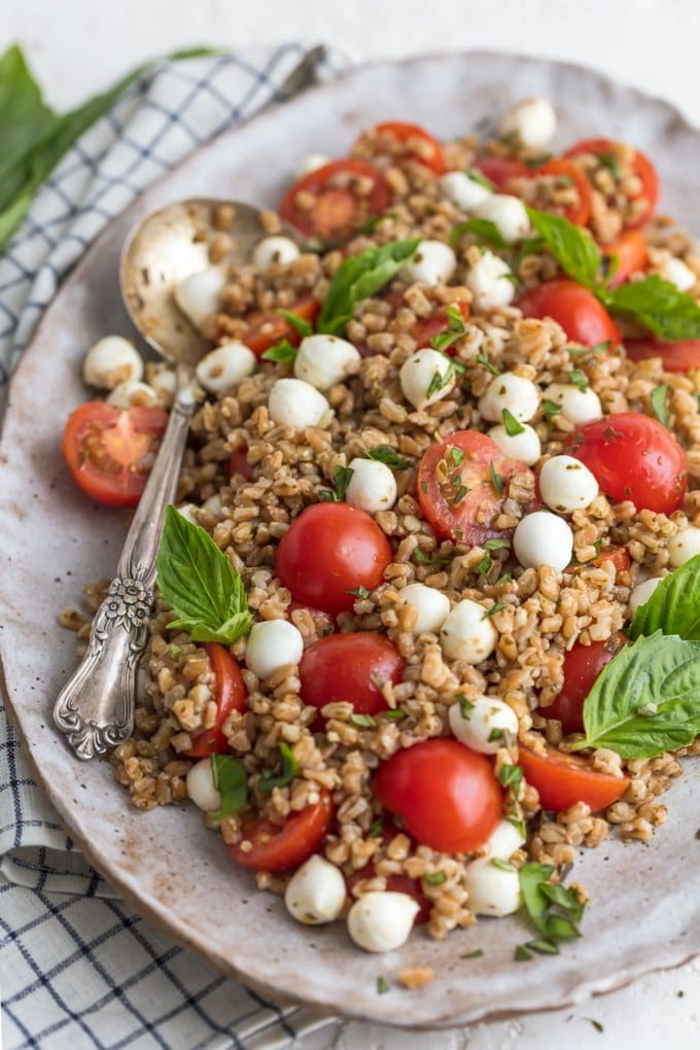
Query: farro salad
{"points": [[427, 619]]}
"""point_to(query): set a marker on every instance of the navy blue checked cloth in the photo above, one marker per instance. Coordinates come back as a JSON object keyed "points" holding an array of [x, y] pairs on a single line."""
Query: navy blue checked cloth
{"points": [[77, 967]]}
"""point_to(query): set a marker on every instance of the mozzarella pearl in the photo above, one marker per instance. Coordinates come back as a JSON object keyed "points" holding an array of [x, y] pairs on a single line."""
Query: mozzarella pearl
{"points": [[312, 162], [482, 729], [200, 786], [220, 370], [542, 538], [504, 841], [642, 593], [199, 296], [464, 192], [273, 644], [324, 360], [467, 634], [432, 606], [520, 396], [294, 403], [533, 122], [508, 214], [163, 380], [679, 274], [566, 484], [316, 892], [382, 921], [578, 406], [433, 262], [684, 546], [418, 373], [273, 250], [488, 281], [111, 361], [491, 890], [525, 447], [213, 505], [131, 393], [190, 513], [372, 486]]}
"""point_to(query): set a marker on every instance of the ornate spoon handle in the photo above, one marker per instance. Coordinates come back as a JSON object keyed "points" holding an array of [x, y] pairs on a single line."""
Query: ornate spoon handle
{"points": [[95, 708]]}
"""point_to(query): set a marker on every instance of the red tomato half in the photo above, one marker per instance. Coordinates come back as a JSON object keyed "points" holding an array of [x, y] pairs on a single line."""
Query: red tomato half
{"points": [[619, 556], [425, 328], [560, 168], [500, 170], [679, 356], [631, 251], [582, 665], [110, 451], [332, 201], [419, 145], [576, 309], [466, 504], [267, 329], [633, 457], [641, 166], [446, 794], [238, 464], [330, 550], [563, 780], [230, 694], [352, 668], [274, 848]]}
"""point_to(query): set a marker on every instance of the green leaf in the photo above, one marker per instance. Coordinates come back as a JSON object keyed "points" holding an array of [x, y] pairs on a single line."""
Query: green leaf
{"points": [[199, 583], [659, 402], [231, 781], [289, 769], [475, 954], [647, 699], [574, 250], [511, 776], [658, 305], [552, 908], [497, 607], [364, 721], [502, 865], [386, 454], [341, 480], [282, 351], [360, 277], [435, 878], [485, 231], [474, 175], [497, 480], [513, 427], [383, 986], [579, 379], [496, 544], [674, 605], [300, 326], [482, 359], [456, 328]]}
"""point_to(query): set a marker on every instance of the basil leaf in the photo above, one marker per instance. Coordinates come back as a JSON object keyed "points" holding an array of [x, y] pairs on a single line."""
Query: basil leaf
{"points": [[342, 477], [289, 769], [485, 231], [359, 277], [282, 351], [386, 454], [300, 326], [199, 583], [552, 908], [646, 700], [574, 250], [659, 402], [474, 175], [511, 424], [231, 782], [456, 328], [658, 305], [674, 606]]}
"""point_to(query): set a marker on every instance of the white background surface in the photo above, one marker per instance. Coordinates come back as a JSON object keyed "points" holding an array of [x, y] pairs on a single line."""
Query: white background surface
{"points": [[76, 47]]}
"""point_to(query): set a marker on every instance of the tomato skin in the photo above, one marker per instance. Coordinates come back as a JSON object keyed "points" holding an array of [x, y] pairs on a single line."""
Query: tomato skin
{"points": [[447, 795], [474, 513], [238, 464], [425, 328], [573, 307], [347, 667], [285, 848], [110, 450], [579, 213], [231, 695], [619, 556], [338, 210], [563, 780], [267, 329], [633, 457], [500, 170], [430, 154], [642, 167], [631, 251], [582, 665], [678, 356], [328, 551]]}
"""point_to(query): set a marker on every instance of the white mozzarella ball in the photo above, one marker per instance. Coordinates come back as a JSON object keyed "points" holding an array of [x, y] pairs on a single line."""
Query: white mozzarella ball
{"points": [[533, 122], [382, 921], [566, 484], [316, 892], [520, 396], [312, 162], [111, 361], [482, 726], [489, 282], [418, 374], [190, 513], [678, 273], [432, 606], [492, 891], [464, 192], [131, 393], [372, 486], [221, 369], [504, 841], [433, 262], [467, 634], [273, 644], [684, 546], [508, 214], [324, 360], [578, 406], [642, 593], [542, 538], [201, 788], [525, 447], [272, 250], [294, 403], [199, 295], [213, 505], [163, 380]]}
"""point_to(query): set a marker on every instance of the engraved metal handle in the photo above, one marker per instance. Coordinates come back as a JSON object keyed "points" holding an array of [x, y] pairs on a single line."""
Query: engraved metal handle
{"points": [[95, 708]]}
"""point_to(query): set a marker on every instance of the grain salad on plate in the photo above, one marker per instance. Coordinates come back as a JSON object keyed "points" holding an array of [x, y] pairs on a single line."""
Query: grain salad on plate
{"points": [[426, 620]]}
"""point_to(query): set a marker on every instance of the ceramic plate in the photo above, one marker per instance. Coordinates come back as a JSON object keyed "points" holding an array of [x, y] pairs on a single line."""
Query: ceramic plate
{"points": [[645, 910]]}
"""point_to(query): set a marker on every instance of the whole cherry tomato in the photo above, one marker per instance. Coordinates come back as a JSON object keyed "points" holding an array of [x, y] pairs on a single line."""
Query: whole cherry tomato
{"points": [[350, 667], [582, 665]]}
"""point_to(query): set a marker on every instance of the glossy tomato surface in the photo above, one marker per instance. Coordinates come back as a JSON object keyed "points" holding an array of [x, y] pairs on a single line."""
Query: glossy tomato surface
{"points": [[582, 665], [641, 166], [330, 550], [446, 794], [268, 847], [417, 143], [500, 170], [563, 780], [678, 356], [352, 668], [573, 307], [267, 329], [566, 171], [230, 694], [633, 457], [238, 464], [332, 202], [630, 253]]}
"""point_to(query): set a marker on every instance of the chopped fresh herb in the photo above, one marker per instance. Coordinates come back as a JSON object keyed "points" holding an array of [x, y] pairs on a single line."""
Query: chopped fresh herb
{"points": [[496, 544], [550, 409], [497, 480], [282, 351], [544, 947], [465, 706], [383, 986], [538, 161], [394, 713], [511, 776], [365, 721], [482, 359], [476, 176], [659, 402], [476, 954], [484, 565], [502, 865], [424, 486], [610, 161], [596, 1024], [231, 781], [289, 769], [579, 379], [513, 427], [459, 495], [496, 734], [553, 908], [376, 830], [514, 817], [300, 326], [341, 480], [435, 878], [175, 651], [438, 382], [386, 454], [371, 224], [456, 455], [456, 328], [423, 559], [485, 231], [359, 592], [584, 351], [521, 954], [497, 607], [504, 579]]}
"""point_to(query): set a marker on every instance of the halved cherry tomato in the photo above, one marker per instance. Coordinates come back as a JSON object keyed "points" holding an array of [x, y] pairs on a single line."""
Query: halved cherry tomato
{"points": [[561, 168], [631, 251], [110, 450], [641, 166], [230, 695], [238, 464], [350, 667], [267, 329], [582, 665], [330, 550], [425, 328], [274, 848], [563, 780], [619, 556], [500, 170], [328, 203], [464, 506], [419, 145], [633, 457], [573, 307], [679, 356], [446, 794]]}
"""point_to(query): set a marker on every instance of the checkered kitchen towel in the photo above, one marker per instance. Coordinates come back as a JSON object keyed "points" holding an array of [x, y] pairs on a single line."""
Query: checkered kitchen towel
{"points": [[77, 967]]}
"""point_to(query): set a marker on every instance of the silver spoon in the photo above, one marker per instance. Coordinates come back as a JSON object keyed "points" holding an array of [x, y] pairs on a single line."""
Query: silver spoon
{"points": [[95, 709]]}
